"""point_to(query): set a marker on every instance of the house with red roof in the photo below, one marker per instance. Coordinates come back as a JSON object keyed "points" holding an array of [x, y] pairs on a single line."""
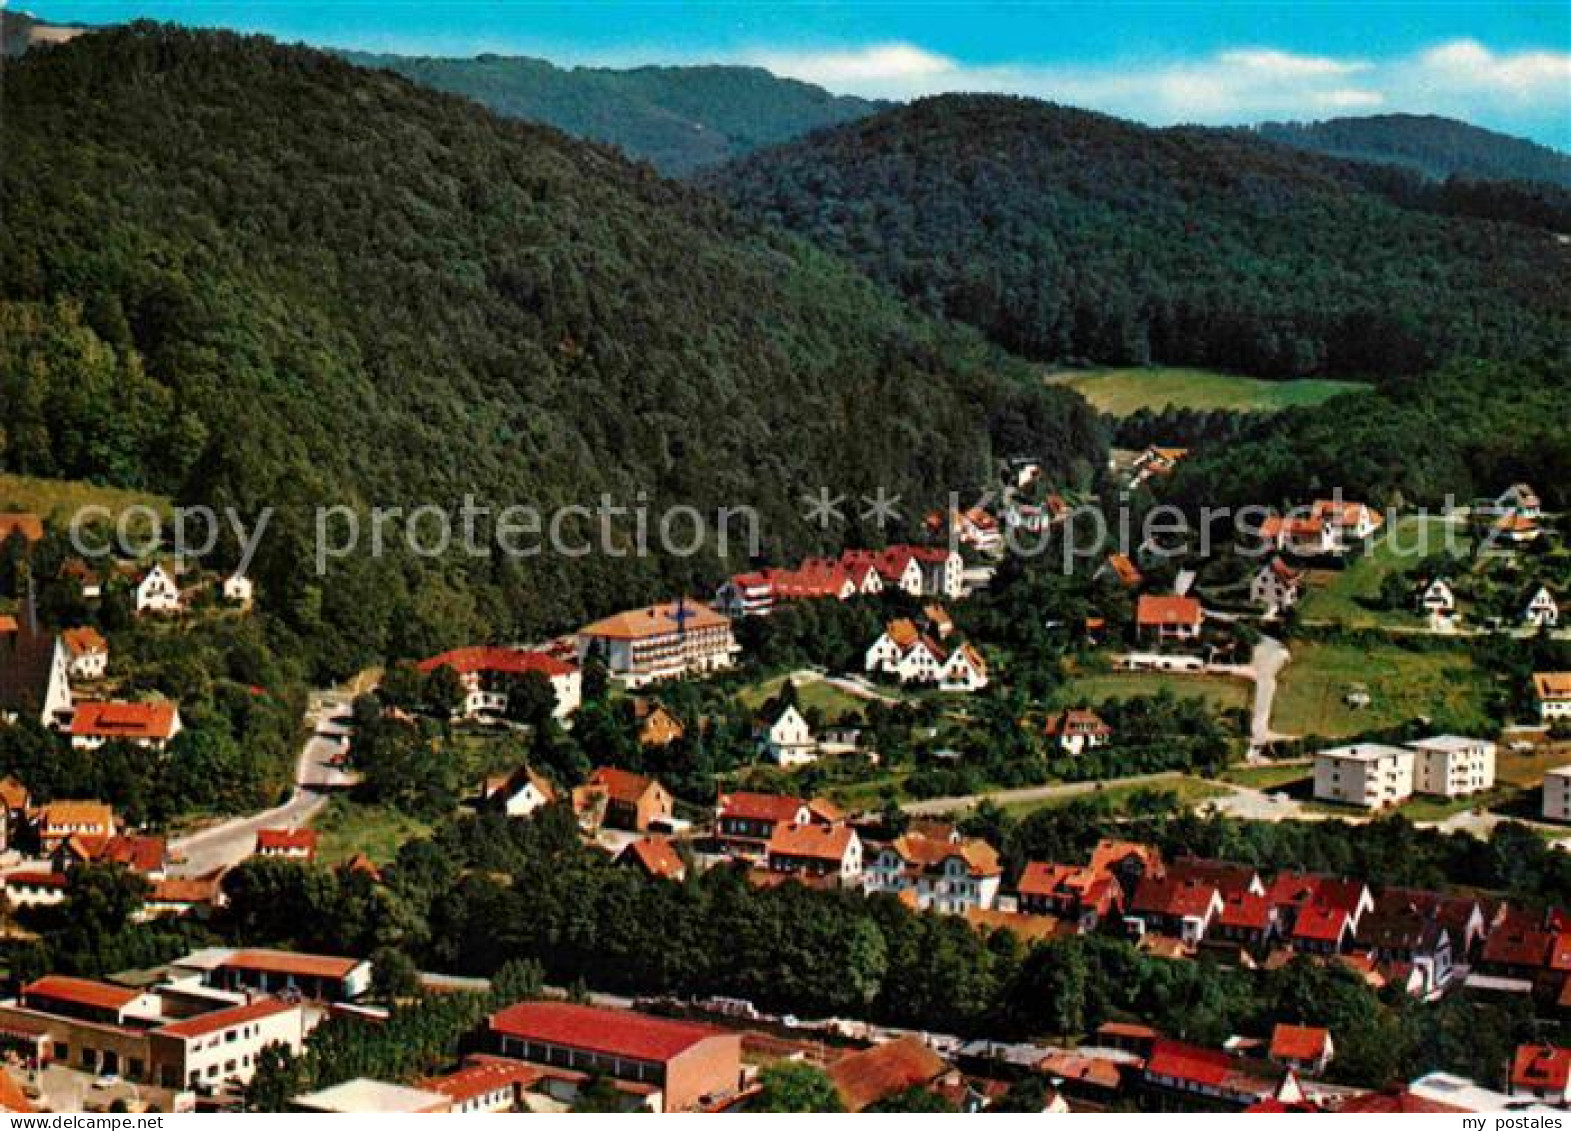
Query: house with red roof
{"points": [[485, 1084], [1230, 878], [691, 1065], [223, 1044], [658, 642], [865, 1077], [1076, 731], [287, 844], [621, 799], [1168, 616], [147, 725], [1248, 920], [815, 851], [1291, 892], [1128, 862], [1542, 1072], [1071, 892], [318, 977], [1195, 1071], [1321, 929], [1303, 1048], [1299, 534], [950, 875], [1396, 1101], [87, 651], [1182, 909], [25, 525], [488, 676], [745, 821], [1276, 586], [655, 856]]}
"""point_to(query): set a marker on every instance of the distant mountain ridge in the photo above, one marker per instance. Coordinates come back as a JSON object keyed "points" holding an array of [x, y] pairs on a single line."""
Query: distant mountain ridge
{"points": [[1436, 147], [679, 119], [1062, 233]]}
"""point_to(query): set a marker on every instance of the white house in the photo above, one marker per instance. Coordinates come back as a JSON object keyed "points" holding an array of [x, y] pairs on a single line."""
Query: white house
{"points": [[517, 794], [965, 670], [1520, 499], [789, 740], [238, 590], [1438, 601], [1277, 586], [923, 662], [488, 675], [815, 850], [1451, 765], [1553, 692], [1367, 775], [157, 592], [1348, 521], [1557, 794], [948, 875], [1079, 731], [150, 726], [1542, 611], [885, 652], [87, 653]]}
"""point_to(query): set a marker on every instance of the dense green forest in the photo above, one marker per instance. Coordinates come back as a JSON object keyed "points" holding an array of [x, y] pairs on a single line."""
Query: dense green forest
{"points": [[1061, 234], [679, 119], [256, 275], [1468, 430], [1436, 147]]}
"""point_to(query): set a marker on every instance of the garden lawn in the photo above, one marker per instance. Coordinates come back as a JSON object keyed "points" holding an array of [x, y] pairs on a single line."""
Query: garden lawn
{"points": [[1221, 692], [1345, 597], [348, 827], [1442, 685], [826, 698]]}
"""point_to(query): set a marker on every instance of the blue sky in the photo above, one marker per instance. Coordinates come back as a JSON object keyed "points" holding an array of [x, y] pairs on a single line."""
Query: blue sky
{"points": [[1501, 65]]}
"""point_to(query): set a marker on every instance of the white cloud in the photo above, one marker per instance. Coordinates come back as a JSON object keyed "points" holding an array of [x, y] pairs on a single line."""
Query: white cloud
{"points": [[1462, 78]]}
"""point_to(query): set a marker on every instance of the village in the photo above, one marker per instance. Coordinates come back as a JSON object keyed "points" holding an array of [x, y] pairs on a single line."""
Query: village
{"points": [[879, 723]]}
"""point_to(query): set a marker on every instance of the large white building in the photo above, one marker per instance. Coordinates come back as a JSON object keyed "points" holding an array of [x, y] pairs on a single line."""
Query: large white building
{"points": [[1367, 775], [1451, 765], [1557, 794], [643, 646]]}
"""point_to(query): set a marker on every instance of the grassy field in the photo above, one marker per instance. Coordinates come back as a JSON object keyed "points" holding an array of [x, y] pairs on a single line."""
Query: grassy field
{"points": [[1220, 692], [1269, 778], [1122, 392], [1441, 685], [1345, 597], [348, 827], [60, 498], [826, 698], [1190, 791]]}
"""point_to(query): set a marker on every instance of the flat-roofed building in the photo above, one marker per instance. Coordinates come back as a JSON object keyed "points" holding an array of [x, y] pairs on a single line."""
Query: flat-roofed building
{"points": [[1452, 765], [363, 1096], [322, 977], [690, 1064], [1557, 794], [222, 1045], [1367, 775]]}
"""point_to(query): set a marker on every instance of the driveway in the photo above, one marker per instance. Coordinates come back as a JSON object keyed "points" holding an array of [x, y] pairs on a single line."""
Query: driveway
{"points": [[1266, 663], [225, 845]]}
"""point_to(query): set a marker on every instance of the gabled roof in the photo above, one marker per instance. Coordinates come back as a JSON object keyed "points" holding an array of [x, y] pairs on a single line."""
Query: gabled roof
{"points": [[286, 840], [481, 1077], [1397, 1102], [1109, 855], [511, 785], [1552, 685], [1229, 878], [811, 841], [1157, 609], [29, 526], [615, 1032], [1125, 570], [1299, 1042], [744, 806], [81, 991], [205, 1024], [929, 854], [84, 641], [142, 854], [657, 856], [1180, 899], [292, 963], [1191, 1064], [1246, 912], [13, 794], [1518, 946], [902, 633], [621, 785], [26, 664], [63, 814], [514, 661], [1541, 1067], [1319, 923], [656, 620], [1077, 723], [863, 1078]]}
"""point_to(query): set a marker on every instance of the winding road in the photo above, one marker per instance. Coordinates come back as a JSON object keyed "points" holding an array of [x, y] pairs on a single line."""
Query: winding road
{"points": [[316, 776]]}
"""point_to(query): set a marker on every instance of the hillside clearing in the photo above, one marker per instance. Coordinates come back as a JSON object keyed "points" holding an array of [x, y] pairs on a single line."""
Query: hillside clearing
{"points": [[60, 498], [1442, 685], [1220, 692], [1123, 392]]}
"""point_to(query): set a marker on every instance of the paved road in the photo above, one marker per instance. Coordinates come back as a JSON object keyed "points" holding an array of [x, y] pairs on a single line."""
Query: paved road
{"points": [[225, 845], [1269, 658], [937, 806]]}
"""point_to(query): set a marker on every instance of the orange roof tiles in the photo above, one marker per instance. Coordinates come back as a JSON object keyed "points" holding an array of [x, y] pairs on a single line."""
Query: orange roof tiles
{"points": [[658, 857], [863, 1078], [29, 526], [1541, 1068], [80, 991], [486, 659], [219, 1020], [84, 641], [745, 806], [286, 840], [1298, 1042], [1159, 609], [615, 1032], [72, 814], [1552, 686], [656, 620], [620, 785], [811, 841], [291, 962], [112, 720], [481, 1077]]}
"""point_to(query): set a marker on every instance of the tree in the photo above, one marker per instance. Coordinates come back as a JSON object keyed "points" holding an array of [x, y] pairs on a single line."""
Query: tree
{"points": [[517, 980], [394, 975], [279, 1077], [531, 699], [792, 1086]]}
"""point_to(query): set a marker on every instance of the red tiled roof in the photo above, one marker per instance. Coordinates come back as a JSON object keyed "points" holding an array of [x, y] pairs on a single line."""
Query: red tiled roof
{"points": [[84, 641], [1517, 947], [1128, 575], [488, 659], [656, 620], [1092, 1070], [139, 853], [1189, 1063], [1541, 1067], [13, 794], [620, 785], [1174, 897], [29, 526], [178, 889], [1298, 1042], [482, 1077], [1230, 879], [80, 991], [1110, 854], [220, 1019], [123, 720], [657, 856], [1246, 911], [1318, 923], [810, 841], [760, 807], [1168, 608], [36, 880], [12, 1098], [1043, 879], [863, 1078], [290, 962], [286, 840], [615, 1032], [1077, 723]]}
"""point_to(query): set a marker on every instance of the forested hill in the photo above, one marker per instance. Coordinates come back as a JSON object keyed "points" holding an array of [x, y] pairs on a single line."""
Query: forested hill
{"points": [[257, 274], [1063, 233], [1436, 147], [677, 118]]}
